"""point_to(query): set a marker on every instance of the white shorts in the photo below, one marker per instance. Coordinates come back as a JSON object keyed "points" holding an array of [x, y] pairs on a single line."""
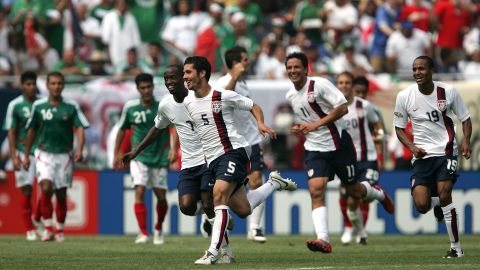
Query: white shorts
{"points": [[54, 167], [143, 175], [23, 177]]}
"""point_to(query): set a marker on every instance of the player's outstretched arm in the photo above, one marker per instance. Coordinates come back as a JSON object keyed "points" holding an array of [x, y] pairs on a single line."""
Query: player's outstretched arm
{"points": [[403, 138], [467, 133], [151, 136], [264, 130], [28, 147], [80, 144]]}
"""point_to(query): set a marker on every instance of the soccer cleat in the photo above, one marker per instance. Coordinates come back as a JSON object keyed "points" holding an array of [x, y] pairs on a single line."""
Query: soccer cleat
{"points": [[59, 237], [47, 236], [438, 213], [226, 258], [257, 236], [31, 235], [141, 239], [39, 226], [285, 183], [387, 203], [207, 259], [319, 246], [347, 236], [158, 237], [453, 253], [362, 241], [231, 223]]}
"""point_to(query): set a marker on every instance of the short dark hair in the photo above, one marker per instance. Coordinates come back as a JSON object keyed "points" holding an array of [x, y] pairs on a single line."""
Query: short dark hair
{"points": [[428, 59], [361, 80], [55, 74], [177, 67], [28, 76], [345, 73], [200, 63], [298, 55], [143, 77], [234, 54]]}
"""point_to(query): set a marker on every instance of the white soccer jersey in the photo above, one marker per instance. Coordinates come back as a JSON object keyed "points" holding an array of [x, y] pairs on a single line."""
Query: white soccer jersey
{"points": [[214, 121], [360, 114], [170, 111], [431, 116], [313, 102], [250, 128]]}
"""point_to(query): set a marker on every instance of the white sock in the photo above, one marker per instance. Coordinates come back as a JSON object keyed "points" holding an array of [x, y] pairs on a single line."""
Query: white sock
{"points": [[199, 209], [48, 222], [451, 222], [372, 193], [59, 226], [320, 223], [219, 228], [356, 218], [435, 201], [226, 245], [259, 195], [256, 217]]}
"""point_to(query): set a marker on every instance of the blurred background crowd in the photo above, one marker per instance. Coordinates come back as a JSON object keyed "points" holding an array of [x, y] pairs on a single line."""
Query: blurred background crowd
{"points": [[118, 39]]}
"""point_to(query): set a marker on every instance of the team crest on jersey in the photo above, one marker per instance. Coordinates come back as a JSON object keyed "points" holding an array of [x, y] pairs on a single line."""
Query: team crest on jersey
{"points": [[442, 104], [311, 96], [216, 106], [65, 116]]}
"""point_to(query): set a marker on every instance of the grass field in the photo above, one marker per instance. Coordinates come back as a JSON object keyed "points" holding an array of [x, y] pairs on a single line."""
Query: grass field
{"points": [[280, 252]]}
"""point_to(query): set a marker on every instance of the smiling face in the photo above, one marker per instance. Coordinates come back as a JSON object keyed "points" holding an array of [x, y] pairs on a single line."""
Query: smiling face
{"points": [[422, 72], [296, 72], [173, 79], [192, 77]]}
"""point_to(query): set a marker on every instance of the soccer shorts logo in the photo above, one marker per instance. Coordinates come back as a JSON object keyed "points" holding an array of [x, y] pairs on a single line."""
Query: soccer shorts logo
{"points": [[310, 173]]}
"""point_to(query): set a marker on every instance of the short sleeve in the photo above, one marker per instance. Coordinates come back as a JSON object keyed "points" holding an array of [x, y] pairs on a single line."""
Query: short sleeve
{"points": [[10, 119], [80, 120], [237, 101], [372, 116], [400, 113], [161, 120], [330, 93], [124, 123], [459, 107], [34, 120]]}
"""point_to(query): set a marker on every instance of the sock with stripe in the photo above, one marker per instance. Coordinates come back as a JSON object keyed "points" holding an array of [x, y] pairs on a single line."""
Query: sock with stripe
{"points": [[372, 193], [219, 228], [451, 222]]}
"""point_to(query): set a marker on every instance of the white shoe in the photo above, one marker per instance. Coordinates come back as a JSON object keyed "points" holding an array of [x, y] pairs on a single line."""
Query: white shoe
{"points": [[39, 226], [256, 235], [347, 236], [158, 237], [47, 236], [141, 239], [226, 258], [285, 183], [59, 237], [31, 235], [361, 238], [207, 259]]}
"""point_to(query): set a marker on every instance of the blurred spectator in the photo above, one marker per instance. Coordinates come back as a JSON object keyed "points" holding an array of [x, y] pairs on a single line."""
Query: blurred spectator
{"points": [[3, 34], [22, 9], [307, 19], [96, 64], [317, 66], [341, 18], [99, 11], [72, 68], [452, 23], [91, 32], [470, 67], [180, 32], [282, 148], [385, 18], [366, 24], [417, 12], [277, 34], [400, 155], [404, 46], [242, 37], [271, 62], [222, 30], [119, 32], [156, 60], [300, 41], [252, 11], [351, 61], [149, 17], [51, 19], [132, 66], [5, 70]]}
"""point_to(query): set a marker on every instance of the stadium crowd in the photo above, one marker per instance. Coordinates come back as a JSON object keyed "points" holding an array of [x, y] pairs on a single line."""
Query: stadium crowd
{"points": [[122, 38]]}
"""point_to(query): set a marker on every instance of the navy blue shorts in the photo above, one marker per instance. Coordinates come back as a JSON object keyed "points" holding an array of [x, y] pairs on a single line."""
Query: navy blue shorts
{"points": [[232, 167], [368, 171], [256, 158], [430, 170], [327, 164], [195, 179]]}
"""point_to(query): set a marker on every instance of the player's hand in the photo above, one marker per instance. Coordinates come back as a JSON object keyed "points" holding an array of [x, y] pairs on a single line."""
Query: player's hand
{"points": [[418, 152], [26, 162], [264, 130], [172, 155], [466, 150], [306, 128], [78, 156], [296, 130], [122, 162], [238, 70], [17, 163]]}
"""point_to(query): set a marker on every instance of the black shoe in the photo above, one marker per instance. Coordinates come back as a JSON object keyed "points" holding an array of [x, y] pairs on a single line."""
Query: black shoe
{"points": [[207, 227], [363, 241], [438, 212], [453, 253]]}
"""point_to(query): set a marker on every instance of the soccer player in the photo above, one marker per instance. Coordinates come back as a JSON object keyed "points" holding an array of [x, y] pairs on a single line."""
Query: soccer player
{"points": [[195, 179], [52, 122], [212, 112], [357, 122], [238, 64], [430, 106], [319, 105], [18, 112], [150, 167]]}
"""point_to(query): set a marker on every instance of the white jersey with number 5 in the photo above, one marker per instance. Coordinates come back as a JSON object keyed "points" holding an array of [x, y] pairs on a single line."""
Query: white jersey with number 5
{"points": [[313, 102], [213, 117], [431, 116], [170, 111]]}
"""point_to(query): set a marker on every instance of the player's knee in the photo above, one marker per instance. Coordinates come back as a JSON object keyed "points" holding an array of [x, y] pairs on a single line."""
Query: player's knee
{"points": [[243, 212], [188, 210], [422, 208]]}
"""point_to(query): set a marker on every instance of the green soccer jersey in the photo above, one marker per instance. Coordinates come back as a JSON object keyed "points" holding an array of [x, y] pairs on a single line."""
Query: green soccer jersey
{"points": [[18, 112], [141, 119], [54, 125]]}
